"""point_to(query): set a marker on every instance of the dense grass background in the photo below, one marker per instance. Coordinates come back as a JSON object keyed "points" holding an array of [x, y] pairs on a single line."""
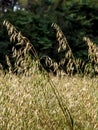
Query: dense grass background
{"points": [[29, 102], [34, 101]]}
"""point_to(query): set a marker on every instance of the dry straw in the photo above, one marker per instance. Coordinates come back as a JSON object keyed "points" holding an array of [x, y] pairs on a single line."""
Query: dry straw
{"points": [[20, 51], [67, 60]]}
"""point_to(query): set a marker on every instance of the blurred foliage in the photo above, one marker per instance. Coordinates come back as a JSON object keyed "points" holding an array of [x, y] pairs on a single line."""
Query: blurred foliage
{"points": [[76, 19]]}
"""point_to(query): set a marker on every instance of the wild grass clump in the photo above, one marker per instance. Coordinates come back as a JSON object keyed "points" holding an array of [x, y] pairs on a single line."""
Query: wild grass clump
{"points": [[29, 103], [68, 62], [65, 55], [23, 50], [20, 59]]}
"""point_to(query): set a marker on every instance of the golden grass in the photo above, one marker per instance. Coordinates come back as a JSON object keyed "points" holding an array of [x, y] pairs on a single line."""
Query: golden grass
{"points": [[34, 101], [29, 103]]}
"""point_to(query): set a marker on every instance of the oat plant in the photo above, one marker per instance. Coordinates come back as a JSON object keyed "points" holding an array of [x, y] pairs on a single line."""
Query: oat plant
{"points": [[66, 60], [92, 65]]}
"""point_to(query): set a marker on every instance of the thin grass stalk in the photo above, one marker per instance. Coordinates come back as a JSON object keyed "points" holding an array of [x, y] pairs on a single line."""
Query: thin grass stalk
{"points": [[64, 108]]}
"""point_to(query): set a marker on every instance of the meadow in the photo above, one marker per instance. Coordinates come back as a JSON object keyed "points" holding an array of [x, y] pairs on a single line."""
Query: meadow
{"points": [[39, 102], [32, 99]]}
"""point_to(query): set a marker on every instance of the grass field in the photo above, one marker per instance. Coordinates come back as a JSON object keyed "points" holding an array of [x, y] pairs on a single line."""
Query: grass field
{"points": [[30, 102], [35, 100]]}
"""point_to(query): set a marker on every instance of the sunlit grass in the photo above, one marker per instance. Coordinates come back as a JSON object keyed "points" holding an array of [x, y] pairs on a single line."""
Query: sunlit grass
{"points": [[29, 103]]}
